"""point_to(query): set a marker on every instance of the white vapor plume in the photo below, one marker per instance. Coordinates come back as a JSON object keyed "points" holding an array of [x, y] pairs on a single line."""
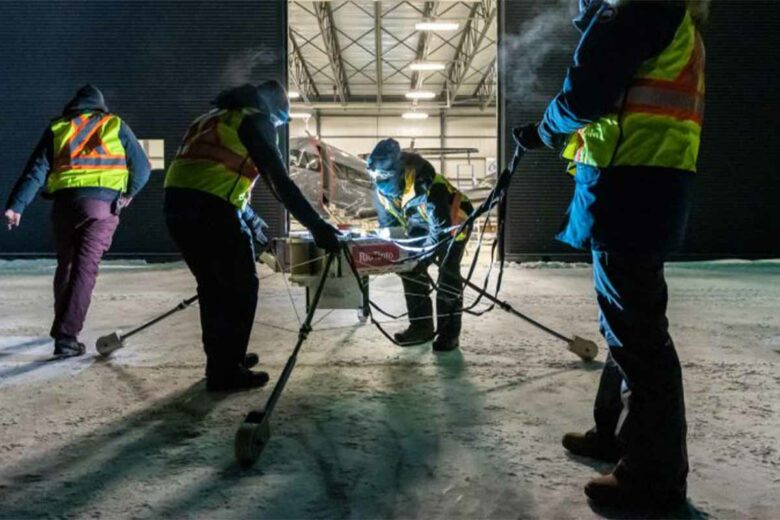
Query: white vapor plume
{"points": [[525, 50], [240, 67]]}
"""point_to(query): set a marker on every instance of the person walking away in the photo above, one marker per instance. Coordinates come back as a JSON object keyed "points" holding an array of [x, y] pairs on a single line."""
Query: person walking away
{"points": [[91, 164]]}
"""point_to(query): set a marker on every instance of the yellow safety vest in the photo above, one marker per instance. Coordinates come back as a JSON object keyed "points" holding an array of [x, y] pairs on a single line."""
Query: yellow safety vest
{"points": [[88, 153], [213, 159], [658, 120], [460, 205]]}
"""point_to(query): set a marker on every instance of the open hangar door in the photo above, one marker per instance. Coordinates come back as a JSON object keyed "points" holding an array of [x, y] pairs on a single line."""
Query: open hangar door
{"points": [[734, 200], [158, 63], [418, 71]]}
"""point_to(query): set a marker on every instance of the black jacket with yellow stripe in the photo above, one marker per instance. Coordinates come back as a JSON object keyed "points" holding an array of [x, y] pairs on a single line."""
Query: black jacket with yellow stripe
{"points": [[427, 204]]}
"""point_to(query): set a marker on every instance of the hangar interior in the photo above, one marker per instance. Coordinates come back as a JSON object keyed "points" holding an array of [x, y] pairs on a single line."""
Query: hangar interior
{"points": [[364, 71]]}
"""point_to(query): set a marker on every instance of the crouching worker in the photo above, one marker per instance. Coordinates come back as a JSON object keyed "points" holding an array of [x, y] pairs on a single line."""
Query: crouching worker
{"points": [[207, 191], [91, 164], [411, 195]]}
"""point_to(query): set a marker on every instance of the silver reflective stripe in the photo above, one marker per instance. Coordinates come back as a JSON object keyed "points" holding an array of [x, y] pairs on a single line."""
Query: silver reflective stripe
{"points": [[665, 99]]}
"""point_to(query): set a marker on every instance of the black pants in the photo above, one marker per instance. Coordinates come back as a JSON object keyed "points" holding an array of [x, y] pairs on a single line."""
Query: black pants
{"points": [[449, 297], [217, 247], [640, 397]]}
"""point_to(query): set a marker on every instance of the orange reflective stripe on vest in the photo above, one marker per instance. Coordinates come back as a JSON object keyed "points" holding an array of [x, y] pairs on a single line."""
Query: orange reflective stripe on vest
{"points": [[681, 98], [203, 142], [85, 149], [213, 159], [456, 214]]}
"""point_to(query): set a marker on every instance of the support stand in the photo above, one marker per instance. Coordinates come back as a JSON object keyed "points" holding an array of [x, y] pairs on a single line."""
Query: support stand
{"points": [[584, 348], [255, 432]]}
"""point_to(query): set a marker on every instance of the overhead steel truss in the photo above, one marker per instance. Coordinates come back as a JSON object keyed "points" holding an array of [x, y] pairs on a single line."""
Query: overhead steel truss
{"points": [[329, 35], [486, 88], [334, 41], [299, 72], [378, 50], [423, 45], [480, 18]]}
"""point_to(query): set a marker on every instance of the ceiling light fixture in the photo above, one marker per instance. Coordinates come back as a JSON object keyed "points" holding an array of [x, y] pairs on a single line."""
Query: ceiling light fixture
{"points": [[437, 26], [293, 94], [420, 94], [429, 65], [300, 115], [414, 115]]}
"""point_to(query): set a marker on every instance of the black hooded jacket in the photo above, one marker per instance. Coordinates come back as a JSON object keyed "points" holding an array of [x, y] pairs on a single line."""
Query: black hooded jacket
{"points": [[259, 136], [33, 178]]}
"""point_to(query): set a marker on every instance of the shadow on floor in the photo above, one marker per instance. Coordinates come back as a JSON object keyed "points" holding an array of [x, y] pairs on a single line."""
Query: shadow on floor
{"points": [[128, 450], [687, 511], [388, 452], [411, 446], [25, 345]]}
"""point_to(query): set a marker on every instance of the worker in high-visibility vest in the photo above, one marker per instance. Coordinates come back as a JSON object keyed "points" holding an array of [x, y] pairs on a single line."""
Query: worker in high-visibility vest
{"points": [[207, 191], [91, 164], [410, 195], [629, 118]]}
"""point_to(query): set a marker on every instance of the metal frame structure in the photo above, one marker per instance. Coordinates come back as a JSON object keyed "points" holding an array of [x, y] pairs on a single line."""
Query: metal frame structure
{"points": [[299, 72], [378, 49], [480, 20], [330, 37]]}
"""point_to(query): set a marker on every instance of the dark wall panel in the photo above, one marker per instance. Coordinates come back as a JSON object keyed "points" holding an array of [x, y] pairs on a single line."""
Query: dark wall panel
{"points": [[158, 62], [738, 185]]}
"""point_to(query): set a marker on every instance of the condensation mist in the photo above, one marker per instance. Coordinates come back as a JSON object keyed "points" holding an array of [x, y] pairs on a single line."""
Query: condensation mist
{"points": [[240, 67], [529, 46]]}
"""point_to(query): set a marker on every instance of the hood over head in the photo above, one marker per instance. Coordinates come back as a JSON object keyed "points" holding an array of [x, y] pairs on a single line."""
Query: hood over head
{"points": [[268, 97], [699, 9], [385, 157], [87, 99], [384, 166]]}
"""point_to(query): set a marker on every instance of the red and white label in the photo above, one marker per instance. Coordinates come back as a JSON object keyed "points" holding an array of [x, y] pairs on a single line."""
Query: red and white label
{"points": [[375, 255]]}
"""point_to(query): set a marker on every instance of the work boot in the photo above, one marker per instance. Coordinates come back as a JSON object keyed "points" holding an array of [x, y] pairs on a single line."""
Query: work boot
{"points": [[607, 490], [418, 332], [66, 347], [241, 379], [250, 360], [590, 444], [445, 343]]}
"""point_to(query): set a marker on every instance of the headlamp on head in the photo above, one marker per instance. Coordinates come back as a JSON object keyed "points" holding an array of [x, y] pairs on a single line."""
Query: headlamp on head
{"points": [[273, 94], [379, 175], [280, 118], [384, 160]]}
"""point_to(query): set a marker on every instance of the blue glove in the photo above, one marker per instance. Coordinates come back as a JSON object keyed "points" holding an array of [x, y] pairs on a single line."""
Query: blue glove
{"points": [[257, 226]]}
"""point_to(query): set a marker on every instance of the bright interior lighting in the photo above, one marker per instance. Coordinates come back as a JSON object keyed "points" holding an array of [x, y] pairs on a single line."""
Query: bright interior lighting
{"points": [[414, 115], [427, 66], [299, 115], [420, 94], [437, 26], [293, 95]]}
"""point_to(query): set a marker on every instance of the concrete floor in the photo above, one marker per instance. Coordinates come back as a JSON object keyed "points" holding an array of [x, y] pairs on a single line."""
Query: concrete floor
{"points": [[365, 429]]}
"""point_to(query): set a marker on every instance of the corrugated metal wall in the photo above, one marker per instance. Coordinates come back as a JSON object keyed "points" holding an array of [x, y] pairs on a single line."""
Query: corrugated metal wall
{"points": [[738, 186], [158, 62]]}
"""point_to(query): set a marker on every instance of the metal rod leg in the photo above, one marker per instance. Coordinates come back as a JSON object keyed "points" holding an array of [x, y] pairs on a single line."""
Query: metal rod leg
{"points": [[255, 432]]}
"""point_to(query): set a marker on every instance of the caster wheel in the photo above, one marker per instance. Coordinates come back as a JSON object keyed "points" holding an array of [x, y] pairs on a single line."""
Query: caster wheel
{"points": [[105, 345], [584, 348], [250, 440]]}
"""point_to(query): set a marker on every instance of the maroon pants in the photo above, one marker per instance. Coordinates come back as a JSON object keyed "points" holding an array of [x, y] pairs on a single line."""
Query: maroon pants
{"points": [[83, 230]]}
